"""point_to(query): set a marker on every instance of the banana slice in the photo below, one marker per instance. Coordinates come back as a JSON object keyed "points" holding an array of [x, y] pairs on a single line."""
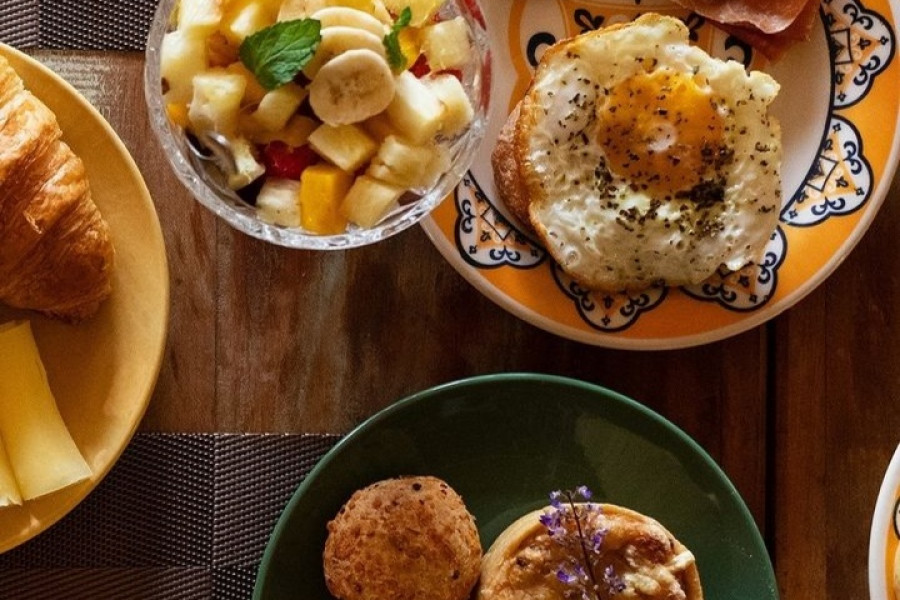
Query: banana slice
{"points": [[352, 87], [343, 16], [337, 40]]}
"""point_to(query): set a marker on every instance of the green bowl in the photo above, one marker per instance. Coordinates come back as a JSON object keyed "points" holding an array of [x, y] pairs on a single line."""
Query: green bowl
{"points": [[504, 442]]}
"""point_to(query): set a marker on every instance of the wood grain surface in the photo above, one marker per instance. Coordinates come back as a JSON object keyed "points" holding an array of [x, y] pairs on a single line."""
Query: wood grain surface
{"points": [[800, 413]]}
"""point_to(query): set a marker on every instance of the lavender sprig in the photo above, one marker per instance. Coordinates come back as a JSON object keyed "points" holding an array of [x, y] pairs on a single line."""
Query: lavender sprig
{"points": [[577, 527]]}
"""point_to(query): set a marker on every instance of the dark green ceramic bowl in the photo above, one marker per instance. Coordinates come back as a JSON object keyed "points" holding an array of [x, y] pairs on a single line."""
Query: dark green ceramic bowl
{"points": [[504, 442]]}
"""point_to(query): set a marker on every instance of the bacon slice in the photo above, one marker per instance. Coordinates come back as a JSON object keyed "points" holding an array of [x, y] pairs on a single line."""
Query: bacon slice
{"points": [[770, 26]]}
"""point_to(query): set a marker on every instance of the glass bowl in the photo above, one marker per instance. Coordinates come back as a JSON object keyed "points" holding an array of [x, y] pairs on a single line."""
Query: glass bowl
{"points": [[206, 183]]}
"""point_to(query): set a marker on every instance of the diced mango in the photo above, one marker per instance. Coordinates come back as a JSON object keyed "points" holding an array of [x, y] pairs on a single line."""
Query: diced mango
{"points": [[409, 45], [220, 51], [322, 190], [178, 114], [422, 10]]}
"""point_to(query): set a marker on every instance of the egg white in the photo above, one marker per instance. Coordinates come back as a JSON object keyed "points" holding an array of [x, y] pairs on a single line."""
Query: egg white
{"points": [[603, 232]]}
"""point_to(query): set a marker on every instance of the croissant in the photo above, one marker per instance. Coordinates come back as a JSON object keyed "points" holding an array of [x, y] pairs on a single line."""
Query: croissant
{"points": [[56, 256]]}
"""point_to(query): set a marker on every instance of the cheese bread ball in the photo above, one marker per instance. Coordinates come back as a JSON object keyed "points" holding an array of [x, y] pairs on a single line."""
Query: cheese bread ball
{"points": [[409, 538]]}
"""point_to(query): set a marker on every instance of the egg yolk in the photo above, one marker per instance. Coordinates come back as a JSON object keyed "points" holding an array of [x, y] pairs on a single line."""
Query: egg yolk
{"points": [[661, 131]]}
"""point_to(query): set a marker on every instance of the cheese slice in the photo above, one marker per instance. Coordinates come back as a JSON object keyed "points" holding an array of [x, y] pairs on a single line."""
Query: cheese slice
{"points": [[9, 489], [42, 453]]}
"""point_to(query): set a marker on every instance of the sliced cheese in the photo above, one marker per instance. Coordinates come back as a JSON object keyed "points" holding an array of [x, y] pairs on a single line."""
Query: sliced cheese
{"points": [[9, 489], [42, 453]]}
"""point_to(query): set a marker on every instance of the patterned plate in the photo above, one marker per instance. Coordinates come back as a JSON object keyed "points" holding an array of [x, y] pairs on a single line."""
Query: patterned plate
{"points": [[884, 539], [838, 107]]}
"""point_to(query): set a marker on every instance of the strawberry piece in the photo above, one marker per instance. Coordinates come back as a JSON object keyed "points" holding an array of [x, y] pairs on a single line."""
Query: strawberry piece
{"points": [[420, 68], [288, 163]]}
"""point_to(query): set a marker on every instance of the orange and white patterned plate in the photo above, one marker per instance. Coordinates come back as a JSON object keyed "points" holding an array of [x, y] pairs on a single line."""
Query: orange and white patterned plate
{"points": [[839, 112], [884, 540]]}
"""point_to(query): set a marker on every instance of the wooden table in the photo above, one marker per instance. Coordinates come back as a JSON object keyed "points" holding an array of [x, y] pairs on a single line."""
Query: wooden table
{"points": [[801, 413]]}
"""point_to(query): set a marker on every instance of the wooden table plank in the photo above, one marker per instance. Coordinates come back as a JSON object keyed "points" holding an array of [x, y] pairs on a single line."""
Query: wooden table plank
{"points": [[837, 423], [269, 339]]}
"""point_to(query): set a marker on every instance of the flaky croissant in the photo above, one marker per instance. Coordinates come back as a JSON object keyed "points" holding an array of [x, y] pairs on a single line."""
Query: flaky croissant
{"points": [[56, 256]]}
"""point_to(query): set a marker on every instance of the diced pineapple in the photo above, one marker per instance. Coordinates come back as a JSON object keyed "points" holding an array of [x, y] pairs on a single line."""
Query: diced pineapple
{"points": [[181, 57], [199, 17], [347, 146], [415, 110], [299, 9], [278, 202], [322, 190], [422, 10], [294, 134], [458, 111], [369, 200], [379, 127], [246, 17], [247, 168], [406, 165], [278, 106], [216, 101], [446, 44], [254, 92]]}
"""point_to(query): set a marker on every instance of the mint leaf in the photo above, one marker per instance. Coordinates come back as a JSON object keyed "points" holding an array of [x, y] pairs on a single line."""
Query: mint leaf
{"points": [[277, 53], [392, 40]]}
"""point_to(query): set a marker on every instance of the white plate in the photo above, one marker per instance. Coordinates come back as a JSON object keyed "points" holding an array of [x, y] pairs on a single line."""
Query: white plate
{"points": [[838, 107], [884, 540]]}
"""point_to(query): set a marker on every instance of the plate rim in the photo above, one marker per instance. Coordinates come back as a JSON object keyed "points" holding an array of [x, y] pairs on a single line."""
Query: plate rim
{"points": [[146, 390], [882, 522], [764, 315], [536, 378]]}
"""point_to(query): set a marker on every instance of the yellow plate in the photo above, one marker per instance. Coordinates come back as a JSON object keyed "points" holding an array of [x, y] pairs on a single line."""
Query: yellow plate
{"points": [[102, 372], [838, 107]]}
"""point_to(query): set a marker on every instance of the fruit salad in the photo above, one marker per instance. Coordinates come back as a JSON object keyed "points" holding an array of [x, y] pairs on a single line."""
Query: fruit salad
{"points": [[333, 112]]}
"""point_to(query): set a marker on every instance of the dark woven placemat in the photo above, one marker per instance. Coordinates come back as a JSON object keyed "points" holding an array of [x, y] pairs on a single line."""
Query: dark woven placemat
{"points": [[76, 24], [179, 516]]}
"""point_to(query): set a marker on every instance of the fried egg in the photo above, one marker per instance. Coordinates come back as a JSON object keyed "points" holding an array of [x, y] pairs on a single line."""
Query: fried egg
{"points": [[647, 161]]}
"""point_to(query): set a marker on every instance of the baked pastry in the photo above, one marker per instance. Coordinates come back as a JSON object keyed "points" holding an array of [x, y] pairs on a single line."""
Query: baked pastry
{"points": [[409, 538], [639, 160], [56, 256], [646, 561]]}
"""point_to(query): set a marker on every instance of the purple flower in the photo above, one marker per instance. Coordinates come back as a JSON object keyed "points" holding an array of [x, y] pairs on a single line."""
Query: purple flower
{"points": [[578, 528], [613, 582], [556, 499]]}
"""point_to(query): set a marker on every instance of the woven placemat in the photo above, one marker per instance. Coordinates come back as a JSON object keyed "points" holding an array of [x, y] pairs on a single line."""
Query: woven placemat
{"points": [[179, 516], [76, 24]]}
